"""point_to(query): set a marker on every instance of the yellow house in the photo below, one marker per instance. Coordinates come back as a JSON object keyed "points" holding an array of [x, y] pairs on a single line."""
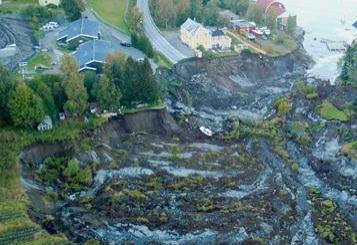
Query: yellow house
{"points": [[194, 34], [46, 2]]}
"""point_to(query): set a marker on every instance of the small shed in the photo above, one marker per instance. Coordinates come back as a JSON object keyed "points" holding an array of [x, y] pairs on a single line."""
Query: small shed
{"points": [[62, 116], [95, 108], [46, 124]]}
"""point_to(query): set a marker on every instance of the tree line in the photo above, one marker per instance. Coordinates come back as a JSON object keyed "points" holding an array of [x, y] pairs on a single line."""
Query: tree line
{"points": [[349, 66], [173, 13], [124, 82]]}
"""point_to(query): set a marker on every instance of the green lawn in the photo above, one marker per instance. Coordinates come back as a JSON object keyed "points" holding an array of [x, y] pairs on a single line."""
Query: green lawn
{"points": [[111, 11], [40, 59], [15, 6], [330, 112]]}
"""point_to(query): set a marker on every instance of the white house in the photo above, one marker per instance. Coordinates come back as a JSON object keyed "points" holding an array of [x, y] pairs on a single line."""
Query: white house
{"points": [[46, 124], [47, 2]]}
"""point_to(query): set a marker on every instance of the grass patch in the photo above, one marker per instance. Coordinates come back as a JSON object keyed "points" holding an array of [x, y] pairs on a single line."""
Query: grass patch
{"points": [[162, 61], [330, 112], [111, 11], [15, 6], [41, 58], [350, 149]]}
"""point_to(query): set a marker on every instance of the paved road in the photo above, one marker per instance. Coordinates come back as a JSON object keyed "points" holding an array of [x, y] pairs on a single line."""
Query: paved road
{"points": [[156, 38]]}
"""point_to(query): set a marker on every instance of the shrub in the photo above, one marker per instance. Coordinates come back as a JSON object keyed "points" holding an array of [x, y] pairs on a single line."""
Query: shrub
{"points": [[65, 173], [295, 167], [350, 149], [141, 42], [307, 90], [282, 106]]}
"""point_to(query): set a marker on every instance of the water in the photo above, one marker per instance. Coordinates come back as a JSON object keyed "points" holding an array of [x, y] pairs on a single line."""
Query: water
{"points": [[330, 19]]}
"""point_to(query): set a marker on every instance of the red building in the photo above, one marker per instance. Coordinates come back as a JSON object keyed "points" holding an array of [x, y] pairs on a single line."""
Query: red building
{"points": [[271, 6], [277, 8]]}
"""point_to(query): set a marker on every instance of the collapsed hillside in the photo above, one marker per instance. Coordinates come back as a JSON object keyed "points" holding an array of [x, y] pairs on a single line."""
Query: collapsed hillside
{"points": [[153, 178], [241, 86]]}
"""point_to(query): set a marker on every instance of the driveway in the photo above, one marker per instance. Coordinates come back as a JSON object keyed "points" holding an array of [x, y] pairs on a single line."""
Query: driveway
{"points": [[156, 38]]}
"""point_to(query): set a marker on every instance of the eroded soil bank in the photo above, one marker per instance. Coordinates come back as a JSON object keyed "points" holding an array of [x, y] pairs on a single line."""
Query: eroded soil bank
{"points": [[263, 178]]}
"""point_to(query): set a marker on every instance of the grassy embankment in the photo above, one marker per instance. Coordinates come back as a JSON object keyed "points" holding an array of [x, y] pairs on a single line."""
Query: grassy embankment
{"points": [[10, 7], [15, 225], [112, 12]]}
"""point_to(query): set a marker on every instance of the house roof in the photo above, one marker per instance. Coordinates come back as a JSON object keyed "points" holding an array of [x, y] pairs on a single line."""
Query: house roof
{"points": [[81, 27], [191, 26], [271, 6], [47, 122], [92, 51], [217, 33]]}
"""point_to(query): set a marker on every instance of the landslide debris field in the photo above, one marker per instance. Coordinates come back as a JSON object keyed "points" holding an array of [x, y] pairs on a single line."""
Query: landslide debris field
{"points": [[14, 31], [153, 178]]}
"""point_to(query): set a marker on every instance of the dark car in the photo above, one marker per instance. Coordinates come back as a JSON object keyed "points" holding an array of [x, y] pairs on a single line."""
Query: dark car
{"points": [[125, 44]]}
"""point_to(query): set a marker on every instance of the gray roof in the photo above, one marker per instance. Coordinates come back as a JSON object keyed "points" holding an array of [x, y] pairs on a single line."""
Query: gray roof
{"points": [[81, 27], [191, 26], [47, 122], [217, 33], [92, 51]]}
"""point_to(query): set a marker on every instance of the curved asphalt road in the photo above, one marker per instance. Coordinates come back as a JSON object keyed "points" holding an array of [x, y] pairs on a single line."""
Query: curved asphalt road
{"points": [[158, 41]]}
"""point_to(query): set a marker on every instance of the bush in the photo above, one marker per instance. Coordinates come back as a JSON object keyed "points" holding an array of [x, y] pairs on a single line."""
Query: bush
{"points": [[141, 42], [295, 167], [307, 90], [282, 106], [65, 173], [73, 8]]}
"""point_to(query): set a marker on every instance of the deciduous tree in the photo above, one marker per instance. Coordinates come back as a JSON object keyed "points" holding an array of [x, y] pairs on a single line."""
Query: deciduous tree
{"points": [[26, 108], [108, 95], [73, 84], [7, 85], [135, 19]]}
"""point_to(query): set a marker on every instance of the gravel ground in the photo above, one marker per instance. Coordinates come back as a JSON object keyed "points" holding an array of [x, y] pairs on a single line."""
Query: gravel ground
{"points": [[18, 31]]}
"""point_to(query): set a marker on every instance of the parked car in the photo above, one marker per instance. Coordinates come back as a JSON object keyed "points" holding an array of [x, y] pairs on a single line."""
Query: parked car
{"points": [[53, 23], [265, 30], [250, 36], [140, 60], [125, 44]]}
